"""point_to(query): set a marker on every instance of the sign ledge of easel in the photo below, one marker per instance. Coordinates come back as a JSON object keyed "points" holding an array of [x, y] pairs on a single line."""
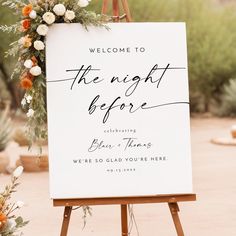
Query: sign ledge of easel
{"points": [[125, 200]]}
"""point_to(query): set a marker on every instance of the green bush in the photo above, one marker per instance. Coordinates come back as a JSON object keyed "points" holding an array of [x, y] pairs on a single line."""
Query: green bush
{"points": [[4, 94], [6, 19], [211, 36], [228, 106], [6, 64], [5, 129]]}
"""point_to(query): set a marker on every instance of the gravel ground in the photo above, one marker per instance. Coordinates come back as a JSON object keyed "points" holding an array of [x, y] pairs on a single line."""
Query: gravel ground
{"points": [[214, 180]]}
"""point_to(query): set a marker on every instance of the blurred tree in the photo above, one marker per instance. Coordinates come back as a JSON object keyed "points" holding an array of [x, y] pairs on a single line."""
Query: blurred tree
{"points": [[8, 89], [211, 33], [228, 106]]}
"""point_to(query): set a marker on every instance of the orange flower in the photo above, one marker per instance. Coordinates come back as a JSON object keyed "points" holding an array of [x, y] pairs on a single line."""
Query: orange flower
{"points": [[34, 60], [27, 9], [25, 24], [27, 41], [3, 220], [2, 217], [26, 83]]}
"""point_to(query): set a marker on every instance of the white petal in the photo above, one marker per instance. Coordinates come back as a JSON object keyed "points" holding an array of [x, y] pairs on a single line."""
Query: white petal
{"points": [[18, 171]]}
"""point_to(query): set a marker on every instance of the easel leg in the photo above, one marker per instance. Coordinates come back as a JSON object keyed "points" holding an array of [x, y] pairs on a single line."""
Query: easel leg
{"points": [[124, 220], [104, 7], [126, 10], [174, 209], [66, 220], [116, 10]]}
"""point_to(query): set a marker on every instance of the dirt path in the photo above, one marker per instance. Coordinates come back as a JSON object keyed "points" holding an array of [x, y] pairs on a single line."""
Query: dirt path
{"points": [[214, 179]]}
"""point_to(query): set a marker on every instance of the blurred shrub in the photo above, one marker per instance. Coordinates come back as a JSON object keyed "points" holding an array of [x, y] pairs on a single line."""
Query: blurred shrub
{"points": [[211, 29], [4, 93], [211, 34], [5, 129], [6, 19], [20, 137], [228, 106], [6, 64]]}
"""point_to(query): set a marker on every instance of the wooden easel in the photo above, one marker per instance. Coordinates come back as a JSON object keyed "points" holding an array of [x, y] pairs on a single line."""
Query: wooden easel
{"points": [[171, 200]]}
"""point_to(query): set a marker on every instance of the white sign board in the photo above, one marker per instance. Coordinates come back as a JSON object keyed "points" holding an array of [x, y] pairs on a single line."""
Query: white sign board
{"points": [[118, 110]]}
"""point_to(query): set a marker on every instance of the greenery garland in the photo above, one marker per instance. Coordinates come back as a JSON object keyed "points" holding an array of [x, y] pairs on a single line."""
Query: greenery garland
{"points": [[36, 17]]}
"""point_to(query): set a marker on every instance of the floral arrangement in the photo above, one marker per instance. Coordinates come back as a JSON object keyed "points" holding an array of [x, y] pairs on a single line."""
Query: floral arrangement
{"points": [[9, 222], [36, 17]]}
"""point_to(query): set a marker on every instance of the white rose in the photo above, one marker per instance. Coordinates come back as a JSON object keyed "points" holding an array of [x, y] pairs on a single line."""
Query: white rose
{"points": [[28, 63], [39, 45], [59, 9], [30, 113], [35, 71], [42, 30], [83, 3], [18, 171], [20, 204], [49, 17], [33, 14], [69, 15]]}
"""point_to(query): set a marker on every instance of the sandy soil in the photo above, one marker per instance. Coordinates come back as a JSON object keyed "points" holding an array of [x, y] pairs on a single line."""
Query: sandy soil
{"points": [[214, 213]]}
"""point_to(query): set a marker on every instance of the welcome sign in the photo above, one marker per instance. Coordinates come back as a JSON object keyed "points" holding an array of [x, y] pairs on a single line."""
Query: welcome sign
{"points": [[118, 110]]}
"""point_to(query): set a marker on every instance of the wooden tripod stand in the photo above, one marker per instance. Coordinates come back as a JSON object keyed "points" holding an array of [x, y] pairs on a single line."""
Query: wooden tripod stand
{"points": [[172, 201]]}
